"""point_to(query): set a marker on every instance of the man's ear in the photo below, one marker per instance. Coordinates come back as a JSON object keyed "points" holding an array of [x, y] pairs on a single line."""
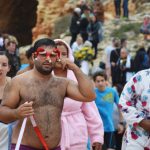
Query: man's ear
{"points": [[33, 56]]}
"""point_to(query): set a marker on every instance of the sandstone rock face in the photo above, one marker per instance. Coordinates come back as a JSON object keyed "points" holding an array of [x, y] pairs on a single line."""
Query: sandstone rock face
{"points": [[27, 19], [18, 17], [48, 12]]}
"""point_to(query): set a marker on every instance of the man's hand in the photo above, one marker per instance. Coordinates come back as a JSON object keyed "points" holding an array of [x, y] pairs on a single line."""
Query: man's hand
{"points": [[145, 124], [97, 146], [24, 110]]}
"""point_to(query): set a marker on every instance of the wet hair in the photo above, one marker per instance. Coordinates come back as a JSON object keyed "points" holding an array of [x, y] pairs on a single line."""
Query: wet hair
{"points": [[3, 53], [99, 73], [29, 52], [44, 41]]}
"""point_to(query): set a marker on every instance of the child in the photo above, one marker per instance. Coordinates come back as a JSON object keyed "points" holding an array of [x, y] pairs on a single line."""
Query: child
{"points": [[105, 99]]}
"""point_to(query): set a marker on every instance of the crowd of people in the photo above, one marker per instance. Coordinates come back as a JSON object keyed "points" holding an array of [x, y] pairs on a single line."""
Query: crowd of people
{"points": [[86, 28], [120, 65], [55, 102], [79, 121], [9, 45], [87, 21]]}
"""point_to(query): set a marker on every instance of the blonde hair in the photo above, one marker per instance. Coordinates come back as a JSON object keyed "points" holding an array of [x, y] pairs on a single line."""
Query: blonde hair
{"points": [[12, 39]]}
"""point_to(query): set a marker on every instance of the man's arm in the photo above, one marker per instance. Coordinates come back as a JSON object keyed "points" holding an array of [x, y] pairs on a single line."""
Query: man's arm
{"points": [[145, 124], [120, 126], [9, 102], [84, 90], [9, 110]]}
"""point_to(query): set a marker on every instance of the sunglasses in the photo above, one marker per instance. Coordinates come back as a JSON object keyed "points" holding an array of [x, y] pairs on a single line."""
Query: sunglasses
{"points": [[44, 54]]}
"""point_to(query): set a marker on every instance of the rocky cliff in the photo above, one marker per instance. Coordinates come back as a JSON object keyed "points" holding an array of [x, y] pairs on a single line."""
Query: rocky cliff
{"points": [[26, 19], [18, 17]]}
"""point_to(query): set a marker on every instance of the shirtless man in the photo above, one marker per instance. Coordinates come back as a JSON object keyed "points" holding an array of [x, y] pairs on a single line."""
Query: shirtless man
{"points": [[45, 95]]}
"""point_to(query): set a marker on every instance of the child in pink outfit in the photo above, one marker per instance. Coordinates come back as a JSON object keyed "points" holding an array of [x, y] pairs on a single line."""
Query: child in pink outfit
{"points": [[79, 120]]}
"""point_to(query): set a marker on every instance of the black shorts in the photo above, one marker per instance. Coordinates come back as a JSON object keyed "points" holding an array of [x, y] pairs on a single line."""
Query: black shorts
{"points": [[109, 140]]}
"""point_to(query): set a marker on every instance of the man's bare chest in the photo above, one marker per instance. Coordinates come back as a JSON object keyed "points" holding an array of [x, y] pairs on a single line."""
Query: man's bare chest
{"points": [[43, 94]]}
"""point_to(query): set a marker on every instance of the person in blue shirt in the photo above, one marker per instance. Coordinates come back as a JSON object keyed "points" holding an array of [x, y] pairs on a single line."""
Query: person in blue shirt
{"points": [[26, 67], [106, 97]]}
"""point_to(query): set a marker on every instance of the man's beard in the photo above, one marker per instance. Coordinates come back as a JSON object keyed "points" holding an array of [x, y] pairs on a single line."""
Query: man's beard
{"points": [[42, 70]]}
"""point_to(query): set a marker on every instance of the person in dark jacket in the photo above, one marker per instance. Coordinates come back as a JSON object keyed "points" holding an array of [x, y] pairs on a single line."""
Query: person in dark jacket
{"points": [[14, 60], [93, 29], [141, 60], [75, 25], [85, 18], [114, 57], [124, 67]]}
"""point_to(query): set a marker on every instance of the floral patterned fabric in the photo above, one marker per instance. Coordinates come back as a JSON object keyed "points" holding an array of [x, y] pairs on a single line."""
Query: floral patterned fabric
{"points": [[135, 106]]}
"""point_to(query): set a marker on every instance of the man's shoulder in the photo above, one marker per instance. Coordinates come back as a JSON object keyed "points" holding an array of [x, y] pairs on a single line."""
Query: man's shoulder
{"points": [[22, 76], [22, 71], [60, 79]]}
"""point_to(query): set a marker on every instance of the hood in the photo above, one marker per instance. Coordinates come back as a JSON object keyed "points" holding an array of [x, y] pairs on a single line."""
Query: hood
{"points": [[70, 54]]}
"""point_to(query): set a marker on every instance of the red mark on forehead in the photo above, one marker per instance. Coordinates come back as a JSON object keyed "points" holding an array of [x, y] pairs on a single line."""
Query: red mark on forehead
{"points": [[40, 50], [56, 50]]}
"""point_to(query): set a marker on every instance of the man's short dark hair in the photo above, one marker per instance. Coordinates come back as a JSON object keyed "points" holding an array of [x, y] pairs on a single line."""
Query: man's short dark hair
{"points": [[99, 73], [43, 41], [29, 52]]}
